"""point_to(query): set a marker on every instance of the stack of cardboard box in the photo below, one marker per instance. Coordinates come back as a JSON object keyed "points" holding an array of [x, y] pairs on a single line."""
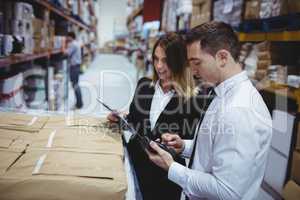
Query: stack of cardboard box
{"points": [[67, 158], [259, 9], [44, 33], [263, 59], [19, 23], [201, 12]]}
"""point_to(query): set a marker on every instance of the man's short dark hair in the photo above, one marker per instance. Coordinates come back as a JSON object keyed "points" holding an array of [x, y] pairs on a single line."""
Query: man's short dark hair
{"points": [[72, 35], [214, 36]]}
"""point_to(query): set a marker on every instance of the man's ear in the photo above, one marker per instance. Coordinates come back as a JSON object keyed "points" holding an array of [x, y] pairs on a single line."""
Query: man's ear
{"points": [[222, 57]]}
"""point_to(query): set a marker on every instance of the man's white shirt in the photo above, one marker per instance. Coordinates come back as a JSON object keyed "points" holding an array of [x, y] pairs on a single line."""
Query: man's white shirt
{"points": [[232, 145]]}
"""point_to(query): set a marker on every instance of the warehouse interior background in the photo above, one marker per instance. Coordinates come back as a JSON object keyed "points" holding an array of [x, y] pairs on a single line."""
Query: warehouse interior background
{"points": [[117, 37]]}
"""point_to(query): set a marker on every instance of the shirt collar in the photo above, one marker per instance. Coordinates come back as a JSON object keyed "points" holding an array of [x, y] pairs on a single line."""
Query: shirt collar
{"points": [[228, 84], [158, 88]]}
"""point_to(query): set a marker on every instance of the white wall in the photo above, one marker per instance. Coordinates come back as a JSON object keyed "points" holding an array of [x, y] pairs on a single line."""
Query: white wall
{"points": [[112, 19]]}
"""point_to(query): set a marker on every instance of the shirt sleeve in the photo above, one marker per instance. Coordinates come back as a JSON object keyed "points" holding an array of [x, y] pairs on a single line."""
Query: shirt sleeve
{"points": [[188, 148], [234, 161], [199, 184]]}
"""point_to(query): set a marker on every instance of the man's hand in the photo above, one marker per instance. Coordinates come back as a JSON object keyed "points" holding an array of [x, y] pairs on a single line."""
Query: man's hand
{"points": [[173, 141], [161, 158]]}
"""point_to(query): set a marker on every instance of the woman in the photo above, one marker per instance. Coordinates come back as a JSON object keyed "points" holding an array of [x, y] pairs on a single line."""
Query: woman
{"points": [[164, 104]]}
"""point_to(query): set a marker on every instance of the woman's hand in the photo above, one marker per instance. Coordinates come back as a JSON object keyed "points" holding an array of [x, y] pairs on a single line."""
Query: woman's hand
{"points": [[113, 117]]}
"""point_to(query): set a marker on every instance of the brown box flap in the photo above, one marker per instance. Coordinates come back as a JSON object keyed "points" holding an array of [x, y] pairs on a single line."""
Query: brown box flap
{"points": [[78, 164], [7, 158], [5, 142], [18, 183], [291, 191], [10, 120], [75, 138], [76, 120], [74, 164]]}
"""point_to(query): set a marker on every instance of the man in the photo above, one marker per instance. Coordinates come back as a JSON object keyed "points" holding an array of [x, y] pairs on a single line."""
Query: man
{"points": [[229, 154], [74, 53]]}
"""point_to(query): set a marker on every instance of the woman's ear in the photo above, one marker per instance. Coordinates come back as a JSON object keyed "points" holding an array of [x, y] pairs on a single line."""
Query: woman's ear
{"points": [[222, 57]]}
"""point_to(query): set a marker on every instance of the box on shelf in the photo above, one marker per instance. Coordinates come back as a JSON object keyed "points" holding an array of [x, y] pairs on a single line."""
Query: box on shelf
{"points": [[295, 173], [252, 8], [201, 12], [37, 25], [291, 191], [293, 6]]}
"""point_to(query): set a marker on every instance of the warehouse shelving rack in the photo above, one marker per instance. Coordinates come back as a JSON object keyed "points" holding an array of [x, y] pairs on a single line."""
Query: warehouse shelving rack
{"points": [[14, 62]]}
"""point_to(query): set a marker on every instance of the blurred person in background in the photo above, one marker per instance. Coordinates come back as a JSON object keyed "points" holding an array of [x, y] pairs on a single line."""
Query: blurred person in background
{"points": [[75, 59]]}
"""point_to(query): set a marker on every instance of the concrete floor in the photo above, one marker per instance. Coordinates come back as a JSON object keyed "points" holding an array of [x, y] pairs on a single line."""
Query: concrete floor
{"points": [[110, 77]]}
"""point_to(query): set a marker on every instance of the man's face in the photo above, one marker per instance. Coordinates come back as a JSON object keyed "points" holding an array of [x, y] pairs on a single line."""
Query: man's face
{"points": [[203, 64]]}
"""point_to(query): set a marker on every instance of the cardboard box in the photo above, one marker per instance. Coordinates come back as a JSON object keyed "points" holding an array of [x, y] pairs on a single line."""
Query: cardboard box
{"points": [[264, 64], [252, 9], [74, 120], [293, 6], [14, 140], [37, 25], [7, 158], [291, 191], [21, 122], [264, 55], [80, 139], [260, 74], [201, 12], [295, 174], [64, 176]]}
